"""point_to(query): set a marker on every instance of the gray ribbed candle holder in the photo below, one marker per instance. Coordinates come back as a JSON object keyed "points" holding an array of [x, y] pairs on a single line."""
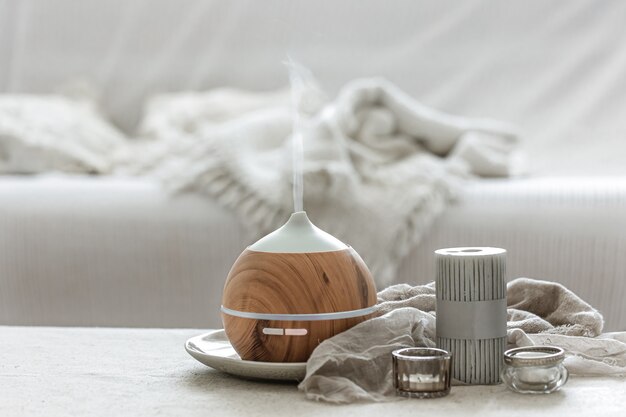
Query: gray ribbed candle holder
{"points": [[471, 311]]}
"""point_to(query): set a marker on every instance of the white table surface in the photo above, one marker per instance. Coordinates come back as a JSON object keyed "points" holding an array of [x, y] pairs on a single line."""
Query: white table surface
{"points": [[122, 372]]}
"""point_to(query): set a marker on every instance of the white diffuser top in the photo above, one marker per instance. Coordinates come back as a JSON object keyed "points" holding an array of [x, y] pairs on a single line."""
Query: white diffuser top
{"points": [[298, 235]]}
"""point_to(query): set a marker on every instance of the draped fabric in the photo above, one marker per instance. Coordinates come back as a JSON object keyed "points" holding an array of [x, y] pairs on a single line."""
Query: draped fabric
{"points": [[554, 68]]}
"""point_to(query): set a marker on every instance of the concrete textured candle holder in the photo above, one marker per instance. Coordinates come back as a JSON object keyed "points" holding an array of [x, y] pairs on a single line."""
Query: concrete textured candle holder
{"points": [[471, 311]]}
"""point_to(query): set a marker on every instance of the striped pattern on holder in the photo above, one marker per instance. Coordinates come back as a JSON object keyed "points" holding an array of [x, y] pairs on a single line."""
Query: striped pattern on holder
{"points": [[471, 311]]}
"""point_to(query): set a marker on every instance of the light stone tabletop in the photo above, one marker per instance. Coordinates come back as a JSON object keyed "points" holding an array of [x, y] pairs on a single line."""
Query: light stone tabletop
{"points": [[130, 372]]}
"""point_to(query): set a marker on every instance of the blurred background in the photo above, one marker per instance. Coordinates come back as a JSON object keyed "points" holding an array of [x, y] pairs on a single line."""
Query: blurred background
{"points": [[78, 249]]}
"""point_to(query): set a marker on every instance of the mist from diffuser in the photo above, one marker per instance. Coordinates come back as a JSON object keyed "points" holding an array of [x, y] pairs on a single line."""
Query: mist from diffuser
{"points": [[298, 285], [301, 81]]}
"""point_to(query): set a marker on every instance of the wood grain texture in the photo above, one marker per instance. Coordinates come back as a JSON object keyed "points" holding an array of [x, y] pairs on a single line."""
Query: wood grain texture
{"points": [[293, 283]]}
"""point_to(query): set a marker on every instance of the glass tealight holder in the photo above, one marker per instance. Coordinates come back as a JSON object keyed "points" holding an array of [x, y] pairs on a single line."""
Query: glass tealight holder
{"points": [[534, 369], [421, 372]]}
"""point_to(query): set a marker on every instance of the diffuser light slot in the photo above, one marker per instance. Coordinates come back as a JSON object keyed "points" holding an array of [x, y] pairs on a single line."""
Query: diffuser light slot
{"points": [[273, 331], [300, 317], [296, 332]]}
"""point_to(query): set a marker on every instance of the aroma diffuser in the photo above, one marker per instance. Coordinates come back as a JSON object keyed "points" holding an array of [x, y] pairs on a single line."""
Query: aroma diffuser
{"points": [[293, 289]]}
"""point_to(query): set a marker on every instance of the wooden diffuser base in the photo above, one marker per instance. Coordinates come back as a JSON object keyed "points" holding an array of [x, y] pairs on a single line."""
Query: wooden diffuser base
{"points": [[266, 283]]}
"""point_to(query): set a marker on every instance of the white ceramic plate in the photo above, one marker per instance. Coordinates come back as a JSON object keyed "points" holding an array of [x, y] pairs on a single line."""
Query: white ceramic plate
{"points": [[213, 349]]}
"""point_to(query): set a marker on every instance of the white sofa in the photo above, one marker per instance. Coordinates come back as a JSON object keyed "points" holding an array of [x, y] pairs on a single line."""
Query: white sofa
{"points": [[121, 252]]}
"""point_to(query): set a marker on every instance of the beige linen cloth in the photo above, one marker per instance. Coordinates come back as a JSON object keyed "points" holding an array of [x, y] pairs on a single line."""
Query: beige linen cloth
{"points": [[356, 364]]}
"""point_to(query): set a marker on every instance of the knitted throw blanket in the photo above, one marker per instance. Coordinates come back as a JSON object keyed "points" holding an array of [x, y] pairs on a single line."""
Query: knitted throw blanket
{"points": [[378, 165]]}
